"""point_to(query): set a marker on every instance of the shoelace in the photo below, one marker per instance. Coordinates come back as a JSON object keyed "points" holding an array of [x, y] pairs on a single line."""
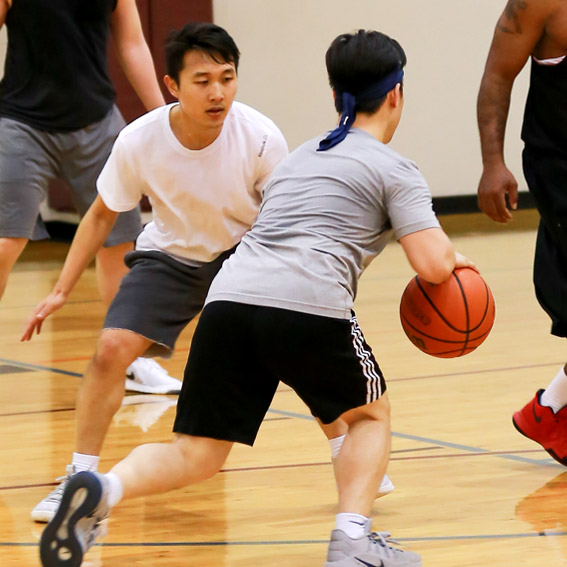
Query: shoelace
{"points": [[385, 541], [57, 492]]}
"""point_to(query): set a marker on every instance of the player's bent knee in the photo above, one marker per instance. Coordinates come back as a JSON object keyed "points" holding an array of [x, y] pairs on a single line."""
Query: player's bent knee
{"points": [[208, 455], [114, 350]]}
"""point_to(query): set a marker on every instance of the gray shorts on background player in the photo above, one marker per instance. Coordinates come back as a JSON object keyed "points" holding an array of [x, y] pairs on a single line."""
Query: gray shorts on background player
{"points": [[33, 157]]}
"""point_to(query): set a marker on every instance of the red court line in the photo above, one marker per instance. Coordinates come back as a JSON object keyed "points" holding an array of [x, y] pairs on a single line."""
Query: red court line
{"points": [[468, 373], [57, 360], [16, 414], [324, 464], [459, 374], [469, 454], [243, 469]]}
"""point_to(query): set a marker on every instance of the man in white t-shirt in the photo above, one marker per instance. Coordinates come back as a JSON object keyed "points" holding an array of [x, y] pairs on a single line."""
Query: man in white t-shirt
{"points": [[203, 163]]}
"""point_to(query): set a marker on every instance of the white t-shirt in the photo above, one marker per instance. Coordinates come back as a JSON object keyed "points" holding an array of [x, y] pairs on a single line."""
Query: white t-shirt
{"points": [[203, 201]]}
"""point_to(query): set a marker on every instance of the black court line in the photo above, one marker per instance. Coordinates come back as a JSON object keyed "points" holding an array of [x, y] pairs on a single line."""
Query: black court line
{"points": [[477, 537], [11, 369], [25, 365]]}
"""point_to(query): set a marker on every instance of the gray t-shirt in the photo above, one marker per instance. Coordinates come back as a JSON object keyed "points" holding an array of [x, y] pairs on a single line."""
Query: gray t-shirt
{"points": [[324, 217]]}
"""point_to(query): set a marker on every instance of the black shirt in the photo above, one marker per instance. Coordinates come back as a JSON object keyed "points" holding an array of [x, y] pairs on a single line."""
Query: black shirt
{"points": [[56, 73], [545, 117]]}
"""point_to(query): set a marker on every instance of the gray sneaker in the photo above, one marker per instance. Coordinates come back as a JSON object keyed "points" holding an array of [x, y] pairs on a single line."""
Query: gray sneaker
{"points": [[372, 550], [77, 521], [45, 510]]}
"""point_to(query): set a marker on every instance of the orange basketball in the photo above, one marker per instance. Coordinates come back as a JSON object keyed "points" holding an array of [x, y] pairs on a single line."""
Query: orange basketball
{"points": [[448, 319]]}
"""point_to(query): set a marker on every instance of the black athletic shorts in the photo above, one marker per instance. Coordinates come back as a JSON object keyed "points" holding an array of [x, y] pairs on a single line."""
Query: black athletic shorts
{"points": [[159, 296], [241, 352], [546, 174]]}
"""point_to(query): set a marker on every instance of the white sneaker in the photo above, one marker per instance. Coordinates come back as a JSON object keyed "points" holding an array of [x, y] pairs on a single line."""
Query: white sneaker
{"points": [[147, 376], [386, 486], [46, 509]]}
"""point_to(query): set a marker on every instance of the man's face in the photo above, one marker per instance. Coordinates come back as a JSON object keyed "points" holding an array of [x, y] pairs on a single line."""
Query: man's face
{"points": [[205, 90]]}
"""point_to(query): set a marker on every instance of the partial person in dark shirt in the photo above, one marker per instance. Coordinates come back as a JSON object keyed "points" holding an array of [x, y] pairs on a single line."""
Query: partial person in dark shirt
{"points": [[58, 119], [536, 30]]}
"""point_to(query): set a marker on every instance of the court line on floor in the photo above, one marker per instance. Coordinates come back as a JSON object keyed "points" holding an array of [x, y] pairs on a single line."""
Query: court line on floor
{"points": [[478, 537], [239, 469], [457, 446], [40, 367], [401, 379], [30, 307], [417, 438], [319, 464], [486, 371]]}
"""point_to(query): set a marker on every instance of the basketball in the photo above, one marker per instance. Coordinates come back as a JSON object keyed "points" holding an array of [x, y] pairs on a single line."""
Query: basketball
{"points": [[449, 319]]}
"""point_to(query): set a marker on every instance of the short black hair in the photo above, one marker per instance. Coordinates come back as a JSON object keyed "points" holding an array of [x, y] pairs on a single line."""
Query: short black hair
{"points": [[355, 61], [202, 36]]}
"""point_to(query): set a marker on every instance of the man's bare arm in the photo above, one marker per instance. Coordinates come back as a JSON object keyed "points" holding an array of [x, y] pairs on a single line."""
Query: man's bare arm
{"points": [[517, 32], [4, 7], [134, 54], [93, 230]]}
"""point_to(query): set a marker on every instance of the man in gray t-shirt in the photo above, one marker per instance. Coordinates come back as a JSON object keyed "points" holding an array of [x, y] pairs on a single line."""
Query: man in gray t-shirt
{"points": [[280, 309], [324, 217]]}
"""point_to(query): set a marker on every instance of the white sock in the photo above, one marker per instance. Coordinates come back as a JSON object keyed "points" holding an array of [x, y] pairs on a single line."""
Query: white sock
{"points": [[115, 489], [336, 445], [85, 462], [555, 395], [354, 526]]}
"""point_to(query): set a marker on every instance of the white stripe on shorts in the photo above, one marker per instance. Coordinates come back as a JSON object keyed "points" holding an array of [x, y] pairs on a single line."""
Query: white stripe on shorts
{"points": [[373, 387]]}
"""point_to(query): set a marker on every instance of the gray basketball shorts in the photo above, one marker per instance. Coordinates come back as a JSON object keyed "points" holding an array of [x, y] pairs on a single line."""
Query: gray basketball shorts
{"points": [[159, 296], [240, 353], [30, 158]]}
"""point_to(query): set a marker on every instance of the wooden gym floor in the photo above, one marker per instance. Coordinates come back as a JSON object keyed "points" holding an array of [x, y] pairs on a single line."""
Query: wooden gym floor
{"points": [[470, 490]]}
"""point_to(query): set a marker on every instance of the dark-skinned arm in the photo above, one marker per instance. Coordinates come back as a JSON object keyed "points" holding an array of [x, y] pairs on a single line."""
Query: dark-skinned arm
{"points": [[517, 32]]}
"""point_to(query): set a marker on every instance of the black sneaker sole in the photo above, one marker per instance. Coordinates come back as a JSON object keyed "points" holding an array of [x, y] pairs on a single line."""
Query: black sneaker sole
{"points": [[66, 551]]}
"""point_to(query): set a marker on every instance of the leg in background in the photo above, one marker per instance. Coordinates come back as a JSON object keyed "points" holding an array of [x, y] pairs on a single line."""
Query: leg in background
{"points": [[102, 389], [363, 458], [10, 251], [110, 269]]}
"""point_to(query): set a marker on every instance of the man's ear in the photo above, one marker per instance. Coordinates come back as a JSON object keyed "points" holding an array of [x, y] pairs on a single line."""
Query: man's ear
{"points": [[172, 86], [395, 95]]}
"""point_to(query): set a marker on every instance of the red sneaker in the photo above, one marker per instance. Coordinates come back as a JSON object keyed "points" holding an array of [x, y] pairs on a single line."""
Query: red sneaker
{"points": [[540, 424]]}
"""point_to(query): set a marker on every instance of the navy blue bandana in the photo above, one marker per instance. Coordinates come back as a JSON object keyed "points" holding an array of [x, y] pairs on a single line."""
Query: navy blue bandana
{"points": [[373, 92]]}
